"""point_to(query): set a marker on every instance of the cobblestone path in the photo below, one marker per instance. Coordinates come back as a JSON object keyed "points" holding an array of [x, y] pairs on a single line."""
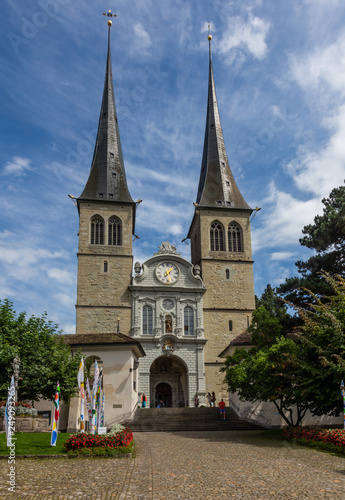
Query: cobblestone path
{"points": [[226, 465]]}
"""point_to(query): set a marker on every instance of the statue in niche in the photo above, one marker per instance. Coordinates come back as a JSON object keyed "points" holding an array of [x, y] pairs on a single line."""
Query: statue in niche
{"points": [[168, 323]]}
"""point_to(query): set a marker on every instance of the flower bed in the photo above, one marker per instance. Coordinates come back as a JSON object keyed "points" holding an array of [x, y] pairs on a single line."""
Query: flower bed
{"points": [[114, 443], [21, 409], [328, 439]]}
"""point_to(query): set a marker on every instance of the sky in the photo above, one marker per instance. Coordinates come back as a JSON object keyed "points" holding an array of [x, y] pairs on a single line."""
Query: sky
{"points": [[279, 69]]}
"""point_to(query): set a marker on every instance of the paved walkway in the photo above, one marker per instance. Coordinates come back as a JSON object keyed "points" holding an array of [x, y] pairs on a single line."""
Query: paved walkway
{"points": [[225, 465]]}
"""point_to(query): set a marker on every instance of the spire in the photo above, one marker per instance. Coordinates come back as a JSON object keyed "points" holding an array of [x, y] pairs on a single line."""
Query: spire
{"points": [[217, 186], [107, 179]]}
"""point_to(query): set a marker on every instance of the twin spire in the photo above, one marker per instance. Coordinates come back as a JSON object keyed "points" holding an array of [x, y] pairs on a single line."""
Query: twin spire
{"points": [[107, 179], [217, 186]]}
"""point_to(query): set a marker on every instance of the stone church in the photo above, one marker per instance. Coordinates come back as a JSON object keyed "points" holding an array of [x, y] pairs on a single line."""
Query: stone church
{"points": [[158, 327]]}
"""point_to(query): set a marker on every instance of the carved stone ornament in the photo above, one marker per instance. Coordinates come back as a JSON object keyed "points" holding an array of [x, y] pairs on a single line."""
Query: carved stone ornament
{"points": [[166, 248]]}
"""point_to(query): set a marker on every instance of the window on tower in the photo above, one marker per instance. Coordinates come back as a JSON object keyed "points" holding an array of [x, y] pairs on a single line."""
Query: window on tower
{"points": [[97, 230], [188, 321], [147, 320], [235, 237], [217, 237], [114, 231]]}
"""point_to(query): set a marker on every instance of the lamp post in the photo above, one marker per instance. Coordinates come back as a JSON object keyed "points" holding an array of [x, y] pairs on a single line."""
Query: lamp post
{"points": [[342, 389]]}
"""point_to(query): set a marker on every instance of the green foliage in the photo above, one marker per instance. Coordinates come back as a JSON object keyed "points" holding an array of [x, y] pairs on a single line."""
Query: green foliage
{"points": [[44, 357], [327, 237], [299, 373]]}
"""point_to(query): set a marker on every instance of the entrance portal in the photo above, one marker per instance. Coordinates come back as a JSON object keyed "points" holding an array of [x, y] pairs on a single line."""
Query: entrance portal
{"points": [[169, 382], [163, 394]]}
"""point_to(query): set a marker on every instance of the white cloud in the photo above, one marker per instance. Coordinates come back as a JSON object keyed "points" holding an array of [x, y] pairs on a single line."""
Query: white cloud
{"points": [[64, 299], [248, 36], [283, 218], [61, 275], [142, 38], [282, 255], [17, 166]]}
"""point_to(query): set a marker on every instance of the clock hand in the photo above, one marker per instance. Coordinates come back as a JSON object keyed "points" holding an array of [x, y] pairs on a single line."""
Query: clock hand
{"points": [[167, 273]]}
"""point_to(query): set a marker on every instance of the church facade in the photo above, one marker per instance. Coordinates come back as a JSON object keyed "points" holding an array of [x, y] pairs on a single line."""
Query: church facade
{"points": [[183, 314]]}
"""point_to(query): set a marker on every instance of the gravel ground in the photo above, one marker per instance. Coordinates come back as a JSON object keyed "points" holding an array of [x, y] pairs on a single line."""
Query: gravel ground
{"points": [[195, 465]]}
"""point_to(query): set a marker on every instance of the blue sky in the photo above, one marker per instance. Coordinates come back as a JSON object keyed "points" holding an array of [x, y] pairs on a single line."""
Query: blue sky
{"points": [[280, 77]]}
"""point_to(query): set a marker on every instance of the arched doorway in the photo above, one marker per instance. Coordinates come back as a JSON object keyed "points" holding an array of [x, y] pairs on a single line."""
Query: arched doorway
{"points": [[169, 381], [163, 394]]}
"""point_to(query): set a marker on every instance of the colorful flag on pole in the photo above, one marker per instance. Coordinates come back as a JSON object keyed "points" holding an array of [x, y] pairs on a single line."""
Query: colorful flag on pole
{"points": [[102, 410], [56, 416], [82, 393], [9, 412], [88, 402], [94, 396]]}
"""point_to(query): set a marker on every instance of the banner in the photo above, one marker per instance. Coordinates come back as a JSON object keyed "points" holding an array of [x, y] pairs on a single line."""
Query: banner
{"points": [[56, 416], [82, 394], [94, 397], [10, 412]]}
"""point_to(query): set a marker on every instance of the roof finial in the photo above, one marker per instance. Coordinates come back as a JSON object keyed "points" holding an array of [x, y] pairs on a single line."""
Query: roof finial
{"points": [[209, 38], [109, 14]]}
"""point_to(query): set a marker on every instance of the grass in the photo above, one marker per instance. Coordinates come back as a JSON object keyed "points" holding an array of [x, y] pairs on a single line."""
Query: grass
{"points": [[35, 443]]}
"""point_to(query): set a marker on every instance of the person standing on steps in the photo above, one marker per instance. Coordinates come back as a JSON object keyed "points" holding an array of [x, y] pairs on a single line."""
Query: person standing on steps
{"points": [[196, 401], [143, 401], [222, 409], [213, 399], [209, 399]]}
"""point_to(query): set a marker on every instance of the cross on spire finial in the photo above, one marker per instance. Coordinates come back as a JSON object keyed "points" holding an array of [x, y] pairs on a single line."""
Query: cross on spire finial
{"points": [[209, 38], [109, 14]]}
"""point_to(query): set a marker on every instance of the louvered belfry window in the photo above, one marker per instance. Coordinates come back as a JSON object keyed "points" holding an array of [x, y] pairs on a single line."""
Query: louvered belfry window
{"points": [[114, 231], [97, 231], [235, 238], [217, 237]]}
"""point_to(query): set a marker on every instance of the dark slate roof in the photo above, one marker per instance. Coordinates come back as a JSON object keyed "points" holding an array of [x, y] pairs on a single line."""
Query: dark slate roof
{"points": [[217, 186], [102, 339], [107, 179]]}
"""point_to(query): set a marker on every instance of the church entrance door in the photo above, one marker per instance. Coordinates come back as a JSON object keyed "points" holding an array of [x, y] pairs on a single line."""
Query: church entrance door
{"points": [[163, 393]]}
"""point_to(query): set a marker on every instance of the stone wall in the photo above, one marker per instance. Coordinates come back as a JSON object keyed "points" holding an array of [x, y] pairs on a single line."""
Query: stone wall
{"points": [[27, 424]]}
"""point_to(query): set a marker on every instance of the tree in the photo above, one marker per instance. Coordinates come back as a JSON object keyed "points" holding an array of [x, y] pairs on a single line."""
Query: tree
{"points": [[327, 237], [276, 308], [298, 372], [44, 357]]}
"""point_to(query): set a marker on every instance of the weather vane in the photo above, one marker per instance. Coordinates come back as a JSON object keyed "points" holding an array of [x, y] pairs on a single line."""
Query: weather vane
{"points": [[109, 14]]}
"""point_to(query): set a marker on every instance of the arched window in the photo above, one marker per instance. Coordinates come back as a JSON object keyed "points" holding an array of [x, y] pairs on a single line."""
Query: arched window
{"points": [[114, 231], [147, 320], [188, 321], [235, 238], [216, 237], [97, 230]]}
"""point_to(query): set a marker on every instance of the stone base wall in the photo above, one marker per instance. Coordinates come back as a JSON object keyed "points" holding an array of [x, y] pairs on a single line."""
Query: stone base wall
{"points": [[27, 424]]}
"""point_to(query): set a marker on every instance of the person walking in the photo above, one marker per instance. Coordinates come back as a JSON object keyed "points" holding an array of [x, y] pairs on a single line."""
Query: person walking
{"points": [[222, 409]]}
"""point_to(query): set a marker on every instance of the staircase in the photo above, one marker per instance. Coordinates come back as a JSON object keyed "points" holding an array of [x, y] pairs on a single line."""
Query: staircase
{"points": [[186, 419]]}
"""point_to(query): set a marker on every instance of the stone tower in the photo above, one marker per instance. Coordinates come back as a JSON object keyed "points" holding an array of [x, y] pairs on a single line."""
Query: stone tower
{"points": [[106, 224], [221, 245]]}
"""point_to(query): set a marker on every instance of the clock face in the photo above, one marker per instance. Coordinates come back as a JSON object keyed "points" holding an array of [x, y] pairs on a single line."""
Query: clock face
{"points": [[167, 272], [168, 304]]}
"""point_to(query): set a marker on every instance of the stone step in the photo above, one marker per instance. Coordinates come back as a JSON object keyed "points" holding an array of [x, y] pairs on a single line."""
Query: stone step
{"points": [[186, 419]]}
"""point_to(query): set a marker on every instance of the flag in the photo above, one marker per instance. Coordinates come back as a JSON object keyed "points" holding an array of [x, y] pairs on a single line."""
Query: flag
{"points": [[9, 412], [56, 416], [94, 396], [102, 410], [88, 402], [82, 393]]}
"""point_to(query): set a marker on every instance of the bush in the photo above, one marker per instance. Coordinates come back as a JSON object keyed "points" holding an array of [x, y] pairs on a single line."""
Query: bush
{"points": [[21, 409], [329, 439], [113, 444]]}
